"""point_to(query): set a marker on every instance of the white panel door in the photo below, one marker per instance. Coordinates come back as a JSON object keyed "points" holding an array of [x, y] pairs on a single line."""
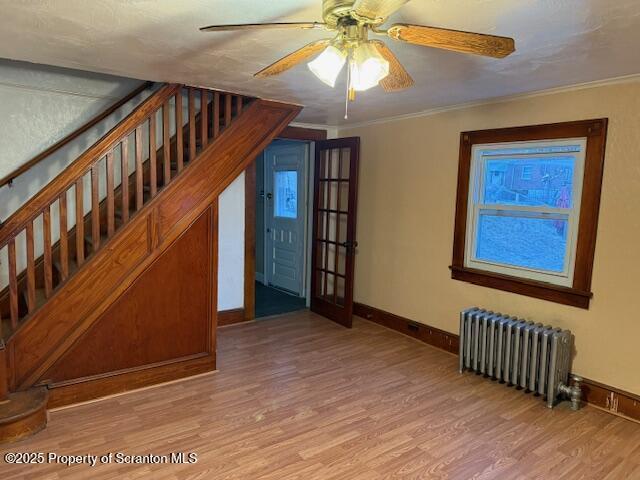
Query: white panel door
{"points": [[285, 216]]}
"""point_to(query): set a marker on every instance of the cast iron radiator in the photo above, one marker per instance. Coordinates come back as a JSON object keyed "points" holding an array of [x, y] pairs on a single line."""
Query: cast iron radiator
{"points": [[520, 353]]}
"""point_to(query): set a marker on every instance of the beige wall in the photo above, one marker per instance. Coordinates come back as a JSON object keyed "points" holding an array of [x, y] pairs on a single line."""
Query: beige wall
{"points": [[407, 190]]}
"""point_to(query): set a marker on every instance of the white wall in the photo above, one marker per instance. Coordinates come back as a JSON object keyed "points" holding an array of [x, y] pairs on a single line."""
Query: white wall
{"points": [[39, 105], [231, 238], [231, 246], [406, 234]]}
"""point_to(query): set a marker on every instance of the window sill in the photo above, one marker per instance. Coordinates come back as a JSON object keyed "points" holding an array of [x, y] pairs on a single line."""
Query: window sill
{"points": [[531, 288]]}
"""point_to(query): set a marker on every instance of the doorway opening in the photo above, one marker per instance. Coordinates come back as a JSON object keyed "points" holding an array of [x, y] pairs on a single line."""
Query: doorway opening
{"points": [[283, 195], [300, 217]]}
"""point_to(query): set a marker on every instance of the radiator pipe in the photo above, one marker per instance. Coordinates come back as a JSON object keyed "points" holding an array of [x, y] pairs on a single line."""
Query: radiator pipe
{"points": [[574, 392]]}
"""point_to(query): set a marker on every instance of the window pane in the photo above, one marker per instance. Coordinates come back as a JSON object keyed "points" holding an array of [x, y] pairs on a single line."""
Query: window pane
{"points": [[528, 242], [340, 291], [286, 194], [345, 164], [530, 181]]}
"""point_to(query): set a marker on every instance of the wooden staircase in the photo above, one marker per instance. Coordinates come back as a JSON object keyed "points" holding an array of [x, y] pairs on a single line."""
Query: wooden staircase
{"points": [[126, 296]]}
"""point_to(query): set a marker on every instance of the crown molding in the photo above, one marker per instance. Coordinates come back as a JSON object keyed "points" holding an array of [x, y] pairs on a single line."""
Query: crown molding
{"points": [[316, 126], [495, 100]]}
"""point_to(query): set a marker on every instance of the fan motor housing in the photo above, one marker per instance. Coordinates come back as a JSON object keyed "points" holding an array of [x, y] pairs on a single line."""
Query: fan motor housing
{"points": [[334, 10]]}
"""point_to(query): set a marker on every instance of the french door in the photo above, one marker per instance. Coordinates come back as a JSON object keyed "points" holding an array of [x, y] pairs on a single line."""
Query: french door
{"points": [[334, 228]]}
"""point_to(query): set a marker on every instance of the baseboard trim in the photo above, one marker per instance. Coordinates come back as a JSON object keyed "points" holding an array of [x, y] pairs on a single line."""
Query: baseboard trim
{"points": [[230, 317], [102, 386], [426, 333], [611, 399], [135, 390]]}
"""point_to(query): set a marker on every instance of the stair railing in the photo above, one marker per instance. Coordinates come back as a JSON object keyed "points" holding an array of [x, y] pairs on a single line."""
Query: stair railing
{"points": [[8, 179], [103, 188]]}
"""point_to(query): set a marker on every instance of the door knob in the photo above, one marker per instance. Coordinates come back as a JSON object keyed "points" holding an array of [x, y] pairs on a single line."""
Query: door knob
{"points": [[349, 245], [269, 196]]}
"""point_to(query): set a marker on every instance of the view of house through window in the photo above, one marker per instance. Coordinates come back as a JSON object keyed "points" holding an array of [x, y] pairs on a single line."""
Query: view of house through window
{"points": [[286, 194], [522, 215]]}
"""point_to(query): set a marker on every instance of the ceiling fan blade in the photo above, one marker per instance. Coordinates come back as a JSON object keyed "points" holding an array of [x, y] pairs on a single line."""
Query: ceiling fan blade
{"points": [[458, 41], [377, 9], [291, 60], [398, 78], [262, 26]]}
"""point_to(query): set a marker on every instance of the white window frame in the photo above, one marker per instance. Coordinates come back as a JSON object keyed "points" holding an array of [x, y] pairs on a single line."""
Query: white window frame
{"points": [[572, 215]]}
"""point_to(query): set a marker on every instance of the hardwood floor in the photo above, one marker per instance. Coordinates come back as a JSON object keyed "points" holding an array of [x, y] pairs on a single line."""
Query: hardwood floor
{"points": [[299, 397]]}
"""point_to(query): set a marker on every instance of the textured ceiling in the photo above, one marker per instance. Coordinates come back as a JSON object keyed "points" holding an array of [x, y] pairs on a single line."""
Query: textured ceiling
{"points": [[558, 43]]}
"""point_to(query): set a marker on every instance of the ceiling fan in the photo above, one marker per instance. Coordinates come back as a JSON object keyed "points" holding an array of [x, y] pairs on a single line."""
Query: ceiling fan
{"points": [[370, 62]]}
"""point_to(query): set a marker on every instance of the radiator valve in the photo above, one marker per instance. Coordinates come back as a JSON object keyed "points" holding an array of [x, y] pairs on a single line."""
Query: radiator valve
{"points": [[574, 392]]}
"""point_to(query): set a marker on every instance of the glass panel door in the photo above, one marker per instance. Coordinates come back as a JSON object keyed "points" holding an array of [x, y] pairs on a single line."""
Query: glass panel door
{"points": [[334, 228]]}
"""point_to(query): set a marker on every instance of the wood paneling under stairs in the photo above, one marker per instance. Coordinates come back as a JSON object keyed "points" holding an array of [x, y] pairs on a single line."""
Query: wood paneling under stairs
{"points": [[47, 334], [165, 315], [299, 397]]}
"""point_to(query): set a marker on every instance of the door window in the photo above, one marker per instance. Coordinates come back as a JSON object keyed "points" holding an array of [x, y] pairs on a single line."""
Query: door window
{"points": [[286, 194]]}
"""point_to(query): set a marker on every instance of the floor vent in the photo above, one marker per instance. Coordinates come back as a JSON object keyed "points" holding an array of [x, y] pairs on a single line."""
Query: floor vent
{"points": [[520, 353]]}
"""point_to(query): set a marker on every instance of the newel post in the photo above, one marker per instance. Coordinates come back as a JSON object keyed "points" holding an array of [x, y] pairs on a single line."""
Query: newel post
{"points": [[4, 375]]}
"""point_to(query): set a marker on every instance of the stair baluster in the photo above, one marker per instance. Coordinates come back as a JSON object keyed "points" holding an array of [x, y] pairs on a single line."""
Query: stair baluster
{"points": [[124, 185], [52, 259], [31, 270], [227, 110], [111, 219], [192, 124], [4, 374], [179, 138], [204, 114], [216, 115], [13, 283], [80, 225], [166, 143], [64, 238]]}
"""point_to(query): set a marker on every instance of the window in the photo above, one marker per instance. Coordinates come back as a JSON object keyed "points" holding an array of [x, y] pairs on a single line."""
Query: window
{"points": [[525, 228], [286, 194], [524, 195], [527, 172]]}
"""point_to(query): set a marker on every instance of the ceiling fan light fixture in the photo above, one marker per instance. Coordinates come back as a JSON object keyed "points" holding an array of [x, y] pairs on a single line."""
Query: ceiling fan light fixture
{"points": [[328, 65], [367, 67]]}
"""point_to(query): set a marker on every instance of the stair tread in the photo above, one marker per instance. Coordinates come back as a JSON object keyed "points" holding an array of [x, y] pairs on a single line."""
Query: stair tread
{"points": [[26, 407], [40, 297], [22, 404], [89, 238], [73, 266]]}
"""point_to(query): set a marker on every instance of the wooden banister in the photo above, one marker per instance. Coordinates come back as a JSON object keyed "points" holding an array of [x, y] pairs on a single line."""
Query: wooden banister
{"points": [[18, 221], [73, 135], [107, 207]]}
